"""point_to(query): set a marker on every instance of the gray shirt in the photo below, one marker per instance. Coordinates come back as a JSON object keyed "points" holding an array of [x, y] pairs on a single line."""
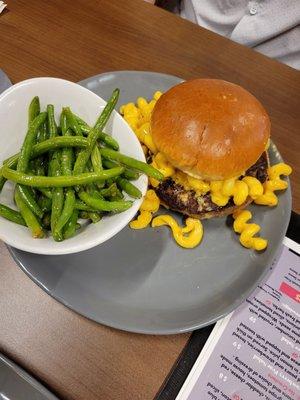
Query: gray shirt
{"points": [[271, 27]]}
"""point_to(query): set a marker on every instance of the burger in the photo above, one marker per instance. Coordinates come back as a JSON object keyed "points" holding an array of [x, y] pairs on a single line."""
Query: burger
{"points": [[208, 130]]}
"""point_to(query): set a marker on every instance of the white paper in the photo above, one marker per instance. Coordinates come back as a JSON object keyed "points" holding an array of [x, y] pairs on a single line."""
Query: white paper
{"points": [[208, 362]]}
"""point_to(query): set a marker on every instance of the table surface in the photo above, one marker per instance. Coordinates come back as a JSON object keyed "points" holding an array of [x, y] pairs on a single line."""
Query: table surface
{"points": [[74, 357]]}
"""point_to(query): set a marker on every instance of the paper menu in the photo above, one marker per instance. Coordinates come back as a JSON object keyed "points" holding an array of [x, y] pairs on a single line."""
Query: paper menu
{"points": [[254, 353], [2, 6]]}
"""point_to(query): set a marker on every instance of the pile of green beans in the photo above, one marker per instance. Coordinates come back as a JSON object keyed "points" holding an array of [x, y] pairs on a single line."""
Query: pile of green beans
{"points": [[67, 172]]}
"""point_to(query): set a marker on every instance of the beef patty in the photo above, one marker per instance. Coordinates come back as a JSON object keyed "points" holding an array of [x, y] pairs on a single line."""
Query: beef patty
{"points": [[174, 196]]}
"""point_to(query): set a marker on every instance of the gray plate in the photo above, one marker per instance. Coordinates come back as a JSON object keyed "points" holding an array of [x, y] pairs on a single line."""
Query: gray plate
{"points": [[141, 281], [16, 384]]}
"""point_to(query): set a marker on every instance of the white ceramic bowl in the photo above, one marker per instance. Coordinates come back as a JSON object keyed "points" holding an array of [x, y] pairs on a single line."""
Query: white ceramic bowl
{"points": [[13, 123]]}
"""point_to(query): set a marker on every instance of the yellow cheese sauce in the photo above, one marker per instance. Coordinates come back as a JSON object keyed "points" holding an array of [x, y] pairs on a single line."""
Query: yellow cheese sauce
{"points": [[247, 231], [188, 236], [239, 189]]}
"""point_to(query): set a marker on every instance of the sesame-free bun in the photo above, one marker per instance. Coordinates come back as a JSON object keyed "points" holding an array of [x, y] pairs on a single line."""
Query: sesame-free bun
{"points": [[210, 128]]}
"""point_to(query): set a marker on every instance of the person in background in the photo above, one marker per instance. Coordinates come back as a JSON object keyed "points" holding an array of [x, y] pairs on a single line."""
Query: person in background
{"points": [[271, 27]]}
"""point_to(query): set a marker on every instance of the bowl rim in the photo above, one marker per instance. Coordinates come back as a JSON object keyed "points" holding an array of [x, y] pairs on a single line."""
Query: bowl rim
{"points": [[64, 247]]}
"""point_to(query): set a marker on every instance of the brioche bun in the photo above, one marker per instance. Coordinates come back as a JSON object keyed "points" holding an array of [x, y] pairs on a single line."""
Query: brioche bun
{"points": [[210, 129]]}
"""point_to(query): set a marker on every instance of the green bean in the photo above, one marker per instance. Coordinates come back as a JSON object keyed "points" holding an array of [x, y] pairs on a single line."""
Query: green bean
{"points": [[112, 193], [30, 219], [102, 136], [102, 205], [96, 160], [72, 121], [2, 182], [94, 193], [33, 110], [39, 168], [42, 134], [91, 190], [70, 227], [67, 211], [109, 140], [46, 221], [56, 210], [118, 197], [132, 163], [45, 191], [110, 181], [39, 162], [95, 217], [26, 203], [57, 195], [82, 123], [103, 118], [30, 201], [112, 190], [48, 145], [66, 168], [60, 181], [84, 215], [97, 163], [53, 132], [52, 127], [129, 188], [29, 141], [128, 173], [54, 172], [45, 203], [67, 152], [85, 154], [81, 206], [11, 215]]}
